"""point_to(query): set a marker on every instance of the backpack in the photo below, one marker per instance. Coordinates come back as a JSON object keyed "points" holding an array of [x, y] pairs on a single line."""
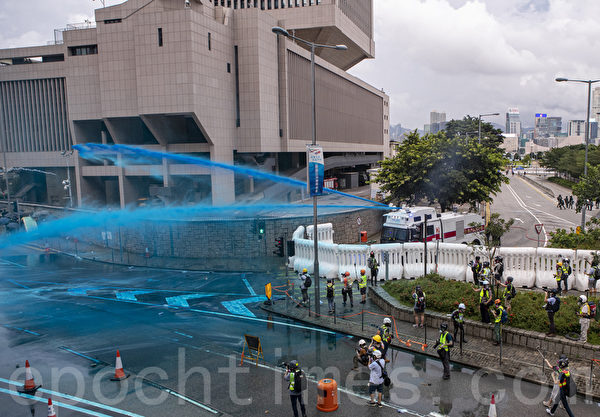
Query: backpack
{"points": [[307, 281], [597, 273], [513, 291], [504, 317], [421, 301], [556, 306], [370, 263], [592, 306]]}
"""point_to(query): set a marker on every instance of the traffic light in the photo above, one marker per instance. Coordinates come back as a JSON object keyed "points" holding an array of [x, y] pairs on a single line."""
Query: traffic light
{"points": [[279, 247], [260, 228]]}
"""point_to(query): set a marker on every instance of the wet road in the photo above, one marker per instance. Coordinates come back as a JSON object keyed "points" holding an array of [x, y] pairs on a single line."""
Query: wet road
{"points": [[529, 206], [180, 335]]}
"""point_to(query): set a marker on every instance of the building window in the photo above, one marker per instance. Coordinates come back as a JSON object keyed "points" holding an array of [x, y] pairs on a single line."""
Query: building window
{"points": [[237, 86], [229, 67], [160, 38], [83, 50], [110, 21], [209, 42]]}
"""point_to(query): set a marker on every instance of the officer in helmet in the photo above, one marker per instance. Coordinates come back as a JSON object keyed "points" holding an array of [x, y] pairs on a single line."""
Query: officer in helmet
{"points": [[458, 319], [295, 377], [385, 331], [347, 289], [584, 317], [443, 345], [564, 382]]}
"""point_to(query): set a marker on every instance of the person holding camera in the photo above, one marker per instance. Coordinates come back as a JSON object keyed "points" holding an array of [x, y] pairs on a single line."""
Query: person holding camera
{"points": [[376, 366], [362, 355], [485, 299], [552, 306], [443, 346], [347, 289], [419, 296], [305, 283], [476, 269], [295, 377], [458, 319], [509, 292]]}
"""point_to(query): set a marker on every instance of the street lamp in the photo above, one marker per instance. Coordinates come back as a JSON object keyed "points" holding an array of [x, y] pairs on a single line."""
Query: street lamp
{"points": [[479, 119], [67, 182], [281, 31], [587, 132]]}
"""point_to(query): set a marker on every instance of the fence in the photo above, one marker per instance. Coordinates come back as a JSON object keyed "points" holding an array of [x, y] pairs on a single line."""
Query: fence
{"points": [[530, 267]]}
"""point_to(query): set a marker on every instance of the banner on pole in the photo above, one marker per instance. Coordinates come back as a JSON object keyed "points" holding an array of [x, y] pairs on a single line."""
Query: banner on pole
{"points": [[316, 170]]}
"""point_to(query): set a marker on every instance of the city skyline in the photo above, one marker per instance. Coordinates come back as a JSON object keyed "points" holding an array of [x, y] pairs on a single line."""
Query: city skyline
{"points": [[458, 56]]}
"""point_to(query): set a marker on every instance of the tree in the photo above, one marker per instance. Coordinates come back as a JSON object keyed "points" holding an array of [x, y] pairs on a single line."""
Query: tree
{"points": [[441, 169], [491, 236], [469, 127], [588, 187]]}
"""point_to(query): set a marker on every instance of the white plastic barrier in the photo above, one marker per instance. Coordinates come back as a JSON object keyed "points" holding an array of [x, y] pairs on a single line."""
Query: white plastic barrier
{"points": [[581, 265], [394, 251], [413, 260], [453, 259], [352, 258], [324, 232], [519, 263], [546, 260]]}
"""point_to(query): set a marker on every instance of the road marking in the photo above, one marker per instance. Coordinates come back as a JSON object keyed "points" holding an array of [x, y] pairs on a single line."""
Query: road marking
{"points": [[130, 295], [23, 330], [19, 285], [522, 204], [69, 397], [237, 306], [12, 263], [181, 300], [96, 361], [185, 335], [252, 292], [519, 220]]}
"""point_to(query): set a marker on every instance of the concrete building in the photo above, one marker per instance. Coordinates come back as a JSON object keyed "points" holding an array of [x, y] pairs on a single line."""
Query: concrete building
{"points": [[437, 122], [510, 143], [513, 121], [201, 77], [576, 128], [595, 103]]}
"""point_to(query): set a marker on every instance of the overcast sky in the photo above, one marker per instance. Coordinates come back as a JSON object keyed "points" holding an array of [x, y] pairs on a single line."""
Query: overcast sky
{"points": [[455, 56]]}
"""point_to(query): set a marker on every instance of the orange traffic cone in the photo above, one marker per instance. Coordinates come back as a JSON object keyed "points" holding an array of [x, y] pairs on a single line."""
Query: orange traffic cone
{"points": [[29, 386], [119, 373], [492, 412], [51, 412]]}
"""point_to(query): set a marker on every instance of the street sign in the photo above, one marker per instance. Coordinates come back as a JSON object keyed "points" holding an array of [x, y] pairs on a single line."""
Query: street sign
{"points": [[578, 230], [538, 228], [358, 221]]}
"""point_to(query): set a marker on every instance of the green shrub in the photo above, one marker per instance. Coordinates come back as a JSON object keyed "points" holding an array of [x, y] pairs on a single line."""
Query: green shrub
{"points": [[562, 181], [443, 296]]}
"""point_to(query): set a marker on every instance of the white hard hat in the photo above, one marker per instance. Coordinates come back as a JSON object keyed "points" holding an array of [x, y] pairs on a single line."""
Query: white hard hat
{"points": [[377, 354], [362, 342], [582, 298], [485, 283], [462, 306], [387, 320]]}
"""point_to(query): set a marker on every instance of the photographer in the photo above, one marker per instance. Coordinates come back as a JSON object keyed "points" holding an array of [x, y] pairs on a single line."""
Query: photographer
{"points": [[485, 299], [476, 269], [376, 365], [295, 377], [552, 306], [509, 292], [361, 356]]}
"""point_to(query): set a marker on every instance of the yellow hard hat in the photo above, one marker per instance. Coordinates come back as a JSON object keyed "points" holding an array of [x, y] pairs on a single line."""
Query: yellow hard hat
{"points": [[377, 338], [304, 270], [559, 263]]}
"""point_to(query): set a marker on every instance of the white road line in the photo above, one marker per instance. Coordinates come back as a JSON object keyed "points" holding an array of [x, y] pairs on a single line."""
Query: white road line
{"points": [[522, 204]]}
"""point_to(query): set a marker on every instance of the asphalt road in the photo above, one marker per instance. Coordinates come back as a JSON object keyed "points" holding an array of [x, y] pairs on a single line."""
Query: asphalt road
{"points": [[180, 336], [530, 206]]}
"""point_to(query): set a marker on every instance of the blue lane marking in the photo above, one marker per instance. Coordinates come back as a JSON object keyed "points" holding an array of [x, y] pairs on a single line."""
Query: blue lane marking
{"points": [[80, 354], [237, 307], [20, 285], [181, 300], [252, 292], [13, 263], [130, 295], [69, 397], [185, 335], [23, 330]]}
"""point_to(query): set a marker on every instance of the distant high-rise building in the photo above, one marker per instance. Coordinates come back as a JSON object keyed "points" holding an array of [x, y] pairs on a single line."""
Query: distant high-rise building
{"points": [[513, 121], [576, 128], [596, 104], [554, 126], [437, 122], [547, 126]]}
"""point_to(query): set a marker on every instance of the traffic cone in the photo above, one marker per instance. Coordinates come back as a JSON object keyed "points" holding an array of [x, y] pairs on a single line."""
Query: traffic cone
{"points": [[119, 373], [51, 412], [29, 386], [492, 412]]}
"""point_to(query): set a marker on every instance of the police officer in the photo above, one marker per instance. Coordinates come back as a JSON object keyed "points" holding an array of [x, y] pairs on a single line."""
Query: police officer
{"points": [[374, 267], [486, 272], [485, 299], [566, 271], [443, 346], [558, 275], [498, 273], [564, 381], [476, 269], [497, 313], [385, 331], [458, 319], [295, 376], [509, 292], [362, 286], [584, 317]]}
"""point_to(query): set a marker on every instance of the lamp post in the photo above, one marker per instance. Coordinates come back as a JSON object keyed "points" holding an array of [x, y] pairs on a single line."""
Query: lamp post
{"points": [[281, 31], [479, 123], [587, 132], [67, 184]]}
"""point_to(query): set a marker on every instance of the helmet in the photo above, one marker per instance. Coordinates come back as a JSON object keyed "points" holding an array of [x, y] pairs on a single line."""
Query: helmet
{"points": [[294, 365], [486, 264], [443, 327], [559, 263], [510, 279], [461, 306], [566, 260], [347, 273], [377, 338], [563, 361], [387, 320], [418, 288], [304, 271], [372, 253], [497, 302], [582, 299], [362, 271], [554, 291], [377, 354], [362, 342], [498, 258], [484, 283]]}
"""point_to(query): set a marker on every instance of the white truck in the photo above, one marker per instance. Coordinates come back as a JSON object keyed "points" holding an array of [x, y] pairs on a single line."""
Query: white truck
{"points": [[407, 224]]}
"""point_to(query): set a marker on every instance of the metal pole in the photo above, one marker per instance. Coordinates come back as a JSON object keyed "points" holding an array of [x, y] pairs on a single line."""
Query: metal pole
{"points": [[587, 142], [6, 175], [387, 266], [362, 319], [479, 130], [334, 314], [425, 247], [69, 180], [314, 142], [591, 372]]}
